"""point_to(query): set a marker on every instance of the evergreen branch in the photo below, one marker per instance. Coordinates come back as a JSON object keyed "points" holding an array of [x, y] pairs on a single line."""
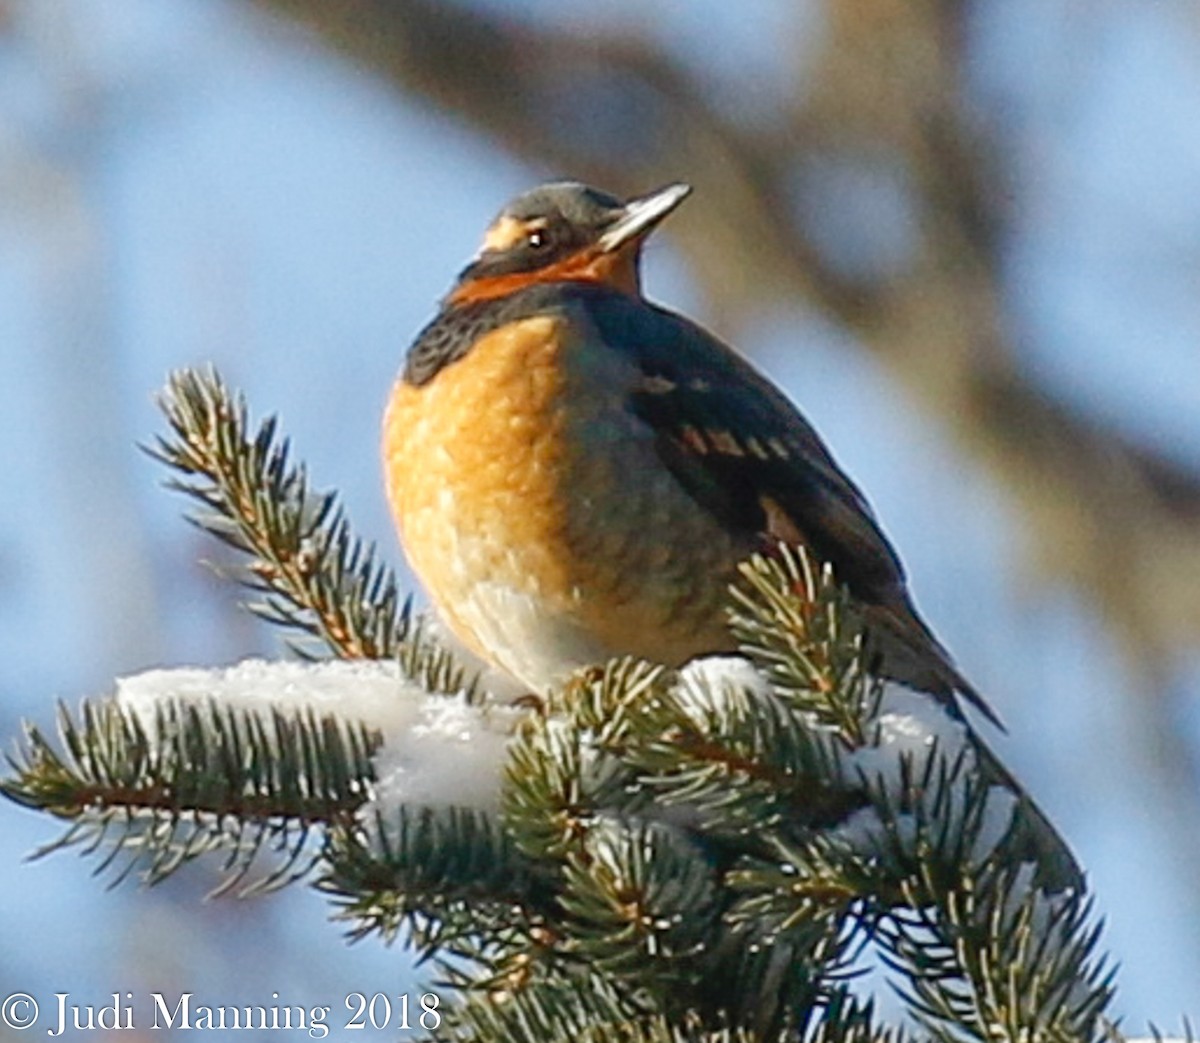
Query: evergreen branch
{"points": [[935, 823], [203, 777], [993, 959], [587, 1007], [799, 898], [983, 954], [799, 626], [314, 575], [638, 893], [630, 735], [566, 766], [636, 898], [785, 980], [447, 876], [1157, 1036], [846, 1019], [641, 899], [589, 1010], [746, 763]]}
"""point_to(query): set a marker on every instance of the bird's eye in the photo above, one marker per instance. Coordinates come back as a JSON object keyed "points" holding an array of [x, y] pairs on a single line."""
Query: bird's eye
{"points": [[537, 239]]}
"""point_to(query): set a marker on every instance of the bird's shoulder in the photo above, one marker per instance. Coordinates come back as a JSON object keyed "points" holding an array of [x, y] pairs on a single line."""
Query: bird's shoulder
{"points": [[741, 447]]}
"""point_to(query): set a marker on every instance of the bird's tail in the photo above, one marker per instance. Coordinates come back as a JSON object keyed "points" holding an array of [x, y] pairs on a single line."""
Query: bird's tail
{"points": [[1031, 837], [909, 653]]}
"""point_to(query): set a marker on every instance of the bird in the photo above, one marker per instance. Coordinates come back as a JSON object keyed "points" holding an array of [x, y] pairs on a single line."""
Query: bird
{"points": [[576, 473]]}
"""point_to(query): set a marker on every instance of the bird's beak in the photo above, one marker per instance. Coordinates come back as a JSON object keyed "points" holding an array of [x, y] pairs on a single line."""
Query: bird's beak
{"points": [[638, 217]]}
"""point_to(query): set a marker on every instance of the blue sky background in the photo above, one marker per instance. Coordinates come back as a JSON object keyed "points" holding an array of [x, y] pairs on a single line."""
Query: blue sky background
{"points": [[181, 184]]}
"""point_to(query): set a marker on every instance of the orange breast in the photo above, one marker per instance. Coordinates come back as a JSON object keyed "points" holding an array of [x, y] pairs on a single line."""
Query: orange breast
{"points": [[473, 461], [534, 509]]}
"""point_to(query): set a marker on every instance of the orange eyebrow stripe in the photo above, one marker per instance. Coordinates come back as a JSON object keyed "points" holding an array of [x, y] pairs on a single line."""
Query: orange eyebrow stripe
{"points": [[618, 270], [507, 232]]}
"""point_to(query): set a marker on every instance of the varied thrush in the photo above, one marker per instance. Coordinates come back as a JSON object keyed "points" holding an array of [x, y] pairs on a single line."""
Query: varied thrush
{"points": [[576, 473]]}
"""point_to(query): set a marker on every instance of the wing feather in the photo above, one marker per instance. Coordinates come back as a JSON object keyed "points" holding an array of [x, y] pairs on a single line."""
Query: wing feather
{"points": [[744, 452]]}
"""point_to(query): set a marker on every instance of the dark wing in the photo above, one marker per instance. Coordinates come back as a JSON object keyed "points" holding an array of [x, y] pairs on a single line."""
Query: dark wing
{"points": [[744, 453]]}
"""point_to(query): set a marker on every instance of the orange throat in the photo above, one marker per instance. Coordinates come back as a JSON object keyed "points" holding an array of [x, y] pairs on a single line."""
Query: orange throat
{"points": [[617, 269]]}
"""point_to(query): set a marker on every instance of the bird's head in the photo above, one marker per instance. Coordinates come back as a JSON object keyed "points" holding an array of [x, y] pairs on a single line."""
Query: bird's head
{"points": [[561, 232]]}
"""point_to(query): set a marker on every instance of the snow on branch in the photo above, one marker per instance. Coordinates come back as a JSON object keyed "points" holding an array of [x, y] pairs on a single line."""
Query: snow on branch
{"points": [[188, 761], [435, 749]]}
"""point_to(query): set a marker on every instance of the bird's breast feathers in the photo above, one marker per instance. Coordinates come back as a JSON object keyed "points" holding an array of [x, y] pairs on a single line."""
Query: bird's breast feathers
{"points": [[540, 517]]}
